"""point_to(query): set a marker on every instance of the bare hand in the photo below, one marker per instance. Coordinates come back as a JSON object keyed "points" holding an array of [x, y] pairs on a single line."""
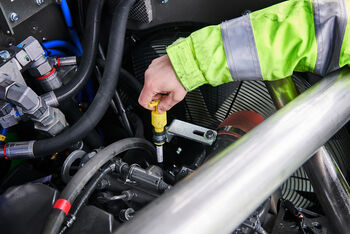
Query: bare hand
{"points": [[160, 79]]}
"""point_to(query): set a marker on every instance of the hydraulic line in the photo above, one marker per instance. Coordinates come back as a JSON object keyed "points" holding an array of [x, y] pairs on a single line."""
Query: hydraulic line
{"points": [[81, 200], [104, 94], [61, 44], [81, 178], [87, 61]]}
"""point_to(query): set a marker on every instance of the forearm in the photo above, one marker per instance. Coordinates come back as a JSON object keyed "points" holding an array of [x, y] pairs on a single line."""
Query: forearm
{"points": [[266, 45]]}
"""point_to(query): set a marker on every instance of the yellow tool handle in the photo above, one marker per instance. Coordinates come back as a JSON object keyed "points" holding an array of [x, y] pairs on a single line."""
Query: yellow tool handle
{"points": [[159, 120]]}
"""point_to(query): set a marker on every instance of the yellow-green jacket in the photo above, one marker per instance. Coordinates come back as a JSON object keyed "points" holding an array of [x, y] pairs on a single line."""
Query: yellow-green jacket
{"points": [[297, 35]]}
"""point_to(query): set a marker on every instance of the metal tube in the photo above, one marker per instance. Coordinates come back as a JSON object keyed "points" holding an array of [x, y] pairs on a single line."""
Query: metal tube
{"points": [[219, 196], [331, 188]]}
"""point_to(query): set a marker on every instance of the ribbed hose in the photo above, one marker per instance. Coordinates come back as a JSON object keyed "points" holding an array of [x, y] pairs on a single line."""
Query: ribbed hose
{"points": [[86, 66], [81, 178], [104, 94]]}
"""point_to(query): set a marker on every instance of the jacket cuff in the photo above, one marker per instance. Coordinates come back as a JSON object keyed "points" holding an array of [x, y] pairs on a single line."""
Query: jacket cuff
{"points": [[184, 64]]}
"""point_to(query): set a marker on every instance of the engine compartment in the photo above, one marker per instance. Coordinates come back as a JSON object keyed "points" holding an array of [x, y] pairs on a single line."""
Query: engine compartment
{"points": [[78, 152]]}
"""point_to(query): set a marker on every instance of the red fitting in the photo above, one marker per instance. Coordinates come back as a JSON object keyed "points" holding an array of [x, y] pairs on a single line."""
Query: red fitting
{"points": [[47, 75]]}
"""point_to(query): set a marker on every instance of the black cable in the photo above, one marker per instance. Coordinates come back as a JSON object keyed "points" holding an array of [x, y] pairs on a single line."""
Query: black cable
{"points": [[81, 178], [87, 62], [89, 189], [234, 99], [104, 94]]}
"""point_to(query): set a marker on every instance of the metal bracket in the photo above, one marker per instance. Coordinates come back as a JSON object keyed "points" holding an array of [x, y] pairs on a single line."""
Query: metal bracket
{"points": [[191, 132]]}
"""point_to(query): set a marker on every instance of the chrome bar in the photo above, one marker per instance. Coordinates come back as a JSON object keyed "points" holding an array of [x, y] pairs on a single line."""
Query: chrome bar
{"points": [[221, 194], [331, 188]]}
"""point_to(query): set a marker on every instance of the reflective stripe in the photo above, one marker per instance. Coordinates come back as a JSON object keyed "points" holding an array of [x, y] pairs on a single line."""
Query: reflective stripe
{"points": [[330, 22], [241, 53]]}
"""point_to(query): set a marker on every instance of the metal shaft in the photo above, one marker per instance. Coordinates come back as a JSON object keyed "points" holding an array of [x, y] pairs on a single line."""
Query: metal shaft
{"points": [[219, 196], [331, 188]]}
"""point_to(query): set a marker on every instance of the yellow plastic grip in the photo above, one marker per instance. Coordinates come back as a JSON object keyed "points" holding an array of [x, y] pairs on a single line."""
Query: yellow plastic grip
{"points": [[159, 120]]}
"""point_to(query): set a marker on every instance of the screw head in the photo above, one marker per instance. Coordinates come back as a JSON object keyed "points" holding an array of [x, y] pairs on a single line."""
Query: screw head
{"points": [[39, 2], [209, 134], [14, 17]]}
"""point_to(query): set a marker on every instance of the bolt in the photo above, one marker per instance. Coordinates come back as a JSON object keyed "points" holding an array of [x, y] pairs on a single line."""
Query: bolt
{"points": [[14, 17], [164, 1], [209, 134], [39, 2], [246, 12], [179, 150], [4, 54]]}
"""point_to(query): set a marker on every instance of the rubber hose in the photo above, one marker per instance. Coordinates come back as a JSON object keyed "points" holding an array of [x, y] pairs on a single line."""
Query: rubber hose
{"points": [[80, 179], [104, 94], [87, 62], [89, 189], [72, 113]]}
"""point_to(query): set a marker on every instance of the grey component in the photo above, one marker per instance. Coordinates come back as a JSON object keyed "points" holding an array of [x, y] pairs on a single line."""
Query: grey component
{"points": [[4, 55], [142, 11], [9, 115], [159, 149], [66, 61], [52, 122], [18, 150], [40, 67], [23, 58], [240, 49], [14, 16], [12, 69], [191, 132], [151, 176], [200, 202], [37, 112], [330, 19], [33, 48], [39, 2], [20, 95], [50, 99], [67, 165], [126, 214], [5, 85], [50, 82]]}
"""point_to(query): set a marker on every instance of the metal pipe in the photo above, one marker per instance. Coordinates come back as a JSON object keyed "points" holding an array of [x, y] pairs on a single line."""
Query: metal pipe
{"points": [[331, 188], [222, 193]]}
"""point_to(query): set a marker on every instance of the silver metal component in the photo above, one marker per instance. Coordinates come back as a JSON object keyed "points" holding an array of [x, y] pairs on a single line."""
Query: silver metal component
{"points": [[50, 99], [20, 95], [14, 16], [40, 67], [17, 150], [66, 61], [159, 153], [126, 214], [33, 48], [191, 132], [53, 122], [269, 153], [4, 54], [331, 189], [119, 197], [9, 115], [39, 2], [51, 82], [179, 150]]}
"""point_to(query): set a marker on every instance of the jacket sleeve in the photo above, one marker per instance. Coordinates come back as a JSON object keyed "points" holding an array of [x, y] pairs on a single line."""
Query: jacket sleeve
{"points": [[296, 35]]}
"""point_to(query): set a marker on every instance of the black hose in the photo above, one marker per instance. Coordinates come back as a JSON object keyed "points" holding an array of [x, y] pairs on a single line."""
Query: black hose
{"points": [[72, 113], [104, 94], [89, 189], [86, 66], [81, 178]]}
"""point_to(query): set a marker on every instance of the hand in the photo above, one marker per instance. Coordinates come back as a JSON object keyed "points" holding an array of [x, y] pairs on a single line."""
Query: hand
{"points": [[160, 79]]}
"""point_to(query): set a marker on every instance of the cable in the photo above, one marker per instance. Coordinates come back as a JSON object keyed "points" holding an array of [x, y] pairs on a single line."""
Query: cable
{"points": [[55, 53], [81, 178], [104, 94], [69, 22], [87, 61], [61, 44]]}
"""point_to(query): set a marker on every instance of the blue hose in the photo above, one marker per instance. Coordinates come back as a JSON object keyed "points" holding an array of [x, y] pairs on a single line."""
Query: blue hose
{"points": [[69, 22], [62, 44], [55, 53]]}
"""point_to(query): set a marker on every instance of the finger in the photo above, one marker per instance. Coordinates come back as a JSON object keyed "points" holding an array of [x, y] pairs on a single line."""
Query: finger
{"points": [[146, 96], [166, 103]]}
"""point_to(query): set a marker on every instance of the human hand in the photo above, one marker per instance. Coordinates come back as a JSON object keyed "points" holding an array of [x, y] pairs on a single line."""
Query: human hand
{"points": [[160, 79]]}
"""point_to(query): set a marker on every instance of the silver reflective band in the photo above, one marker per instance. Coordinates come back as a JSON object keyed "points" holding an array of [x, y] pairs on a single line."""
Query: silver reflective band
{"points": [[240, 49], [330, 22]]}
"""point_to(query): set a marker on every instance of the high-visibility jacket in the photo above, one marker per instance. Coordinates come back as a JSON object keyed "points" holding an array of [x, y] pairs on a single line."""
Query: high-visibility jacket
{"points": [[269, 44]]}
